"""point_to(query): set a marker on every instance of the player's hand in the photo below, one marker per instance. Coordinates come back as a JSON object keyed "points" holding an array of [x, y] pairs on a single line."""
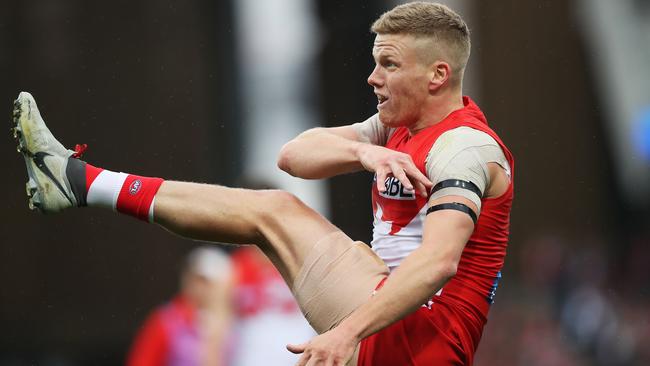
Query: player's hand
{"points": [[332, 348], [386, 162]]}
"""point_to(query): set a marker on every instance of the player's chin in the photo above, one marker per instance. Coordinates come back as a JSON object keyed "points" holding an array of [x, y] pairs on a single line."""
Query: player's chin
{"points": [[388, 119]]}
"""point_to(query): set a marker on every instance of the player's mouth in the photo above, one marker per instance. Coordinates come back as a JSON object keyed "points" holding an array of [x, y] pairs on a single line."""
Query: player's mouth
{"points": [[381, 101]]}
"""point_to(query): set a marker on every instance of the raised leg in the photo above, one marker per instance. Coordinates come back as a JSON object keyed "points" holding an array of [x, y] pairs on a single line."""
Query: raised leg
{"points": [[329, 273], [278, 222]]}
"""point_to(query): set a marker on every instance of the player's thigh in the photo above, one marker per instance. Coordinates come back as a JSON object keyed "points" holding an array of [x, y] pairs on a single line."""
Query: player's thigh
{"points": [[337, 276], [329, 273]]}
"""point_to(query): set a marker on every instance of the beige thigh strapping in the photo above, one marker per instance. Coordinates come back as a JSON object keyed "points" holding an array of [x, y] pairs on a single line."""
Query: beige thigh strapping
{"points": [[337, 276]]}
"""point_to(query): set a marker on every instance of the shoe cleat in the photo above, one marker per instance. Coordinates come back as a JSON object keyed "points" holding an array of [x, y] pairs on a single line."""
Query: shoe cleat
{"points": [[16, 132]]}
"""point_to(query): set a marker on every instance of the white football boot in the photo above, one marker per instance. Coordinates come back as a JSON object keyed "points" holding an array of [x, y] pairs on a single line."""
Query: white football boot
{"points": [[48, 187]]}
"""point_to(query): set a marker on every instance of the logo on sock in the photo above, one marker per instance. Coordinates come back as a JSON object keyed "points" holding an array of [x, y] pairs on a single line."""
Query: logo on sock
{"points": [[135, 187]]}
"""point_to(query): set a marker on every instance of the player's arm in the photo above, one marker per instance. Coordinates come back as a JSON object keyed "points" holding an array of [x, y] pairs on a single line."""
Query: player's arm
{"points": [[423, 272], [322, 152], [466, 165], [325, 152]]}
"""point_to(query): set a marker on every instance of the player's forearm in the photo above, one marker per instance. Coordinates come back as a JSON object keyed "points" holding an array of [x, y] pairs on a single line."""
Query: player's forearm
{"points": [[420, 275], [318, 153]]}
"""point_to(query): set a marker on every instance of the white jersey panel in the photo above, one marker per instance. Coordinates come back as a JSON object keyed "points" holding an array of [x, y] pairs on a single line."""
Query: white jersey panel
{"points": [[394, 248]]}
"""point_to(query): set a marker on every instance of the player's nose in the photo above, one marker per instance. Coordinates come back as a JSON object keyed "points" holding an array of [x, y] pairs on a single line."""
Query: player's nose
{"points": [[374, 79]]}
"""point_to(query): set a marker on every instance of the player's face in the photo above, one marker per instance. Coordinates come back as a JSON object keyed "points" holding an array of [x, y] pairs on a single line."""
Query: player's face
{"points": [[400, 80]]}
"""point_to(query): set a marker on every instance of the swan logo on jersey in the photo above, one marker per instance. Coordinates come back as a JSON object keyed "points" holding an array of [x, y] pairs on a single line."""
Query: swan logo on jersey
{"points": [[396, 191]]}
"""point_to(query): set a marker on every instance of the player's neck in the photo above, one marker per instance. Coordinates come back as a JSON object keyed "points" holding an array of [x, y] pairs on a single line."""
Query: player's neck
{"points": [[437, 109]]}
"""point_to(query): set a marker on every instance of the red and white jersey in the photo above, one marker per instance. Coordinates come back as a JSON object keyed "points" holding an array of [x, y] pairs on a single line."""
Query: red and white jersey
{"points": [[398, 222], [399, 215]]}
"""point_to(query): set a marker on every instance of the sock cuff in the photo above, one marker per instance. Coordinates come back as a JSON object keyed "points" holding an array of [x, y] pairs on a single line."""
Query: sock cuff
{"points": [[105, 188], [136, 196]]}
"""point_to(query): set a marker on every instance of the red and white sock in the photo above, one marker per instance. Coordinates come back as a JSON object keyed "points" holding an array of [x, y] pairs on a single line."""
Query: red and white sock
{"points": [[126, 193]]}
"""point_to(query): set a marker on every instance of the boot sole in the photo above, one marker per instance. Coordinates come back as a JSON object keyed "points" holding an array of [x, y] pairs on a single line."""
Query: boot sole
{"points": [[34, 194]]}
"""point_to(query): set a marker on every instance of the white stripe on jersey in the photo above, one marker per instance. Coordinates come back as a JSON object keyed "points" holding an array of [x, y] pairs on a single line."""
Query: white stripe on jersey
{"points": [[394, 248]]}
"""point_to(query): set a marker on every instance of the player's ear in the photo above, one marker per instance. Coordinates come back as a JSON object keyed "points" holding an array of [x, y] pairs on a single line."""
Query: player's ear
{"points": [[440, 72]]}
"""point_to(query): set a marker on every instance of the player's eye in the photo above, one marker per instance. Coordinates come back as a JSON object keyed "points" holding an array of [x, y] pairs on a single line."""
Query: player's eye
{"points": [[389, 64]]}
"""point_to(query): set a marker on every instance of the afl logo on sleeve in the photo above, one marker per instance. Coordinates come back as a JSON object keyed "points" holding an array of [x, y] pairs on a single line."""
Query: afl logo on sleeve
{"points": [[135, 187], [395, 190]]}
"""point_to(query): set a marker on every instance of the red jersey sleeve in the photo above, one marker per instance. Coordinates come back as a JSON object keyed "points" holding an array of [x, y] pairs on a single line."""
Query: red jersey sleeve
{"points": [[151, 345]]}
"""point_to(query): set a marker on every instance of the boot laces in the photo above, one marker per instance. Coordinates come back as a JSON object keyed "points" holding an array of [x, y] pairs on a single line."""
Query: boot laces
{"points": [[79, 150]]}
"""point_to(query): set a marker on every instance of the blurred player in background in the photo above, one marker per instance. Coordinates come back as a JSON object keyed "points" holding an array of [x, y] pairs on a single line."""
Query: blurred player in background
{"points": [[226, 307], [194, 328], [266, 313], [441, 200]]}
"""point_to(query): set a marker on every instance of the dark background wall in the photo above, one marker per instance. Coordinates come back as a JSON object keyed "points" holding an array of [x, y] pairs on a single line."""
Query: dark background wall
{"points": [[139, 82], [149, 86]]}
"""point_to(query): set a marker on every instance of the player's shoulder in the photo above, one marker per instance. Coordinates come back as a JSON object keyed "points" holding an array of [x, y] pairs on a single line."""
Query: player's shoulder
{"points": [[372, 131], [459, 139], [458, 142], [464, 137]]}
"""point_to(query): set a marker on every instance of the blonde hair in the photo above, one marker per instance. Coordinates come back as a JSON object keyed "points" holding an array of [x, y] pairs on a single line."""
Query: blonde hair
{"points": [[435, 21]]}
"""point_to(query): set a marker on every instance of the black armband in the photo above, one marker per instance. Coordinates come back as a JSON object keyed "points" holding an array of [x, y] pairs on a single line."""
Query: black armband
{"points": [[457, 183], [454, 206]]}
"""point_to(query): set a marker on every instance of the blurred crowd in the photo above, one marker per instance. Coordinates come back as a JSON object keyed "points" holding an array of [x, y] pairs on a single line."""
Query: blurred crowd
{"points": [[573, 302]]}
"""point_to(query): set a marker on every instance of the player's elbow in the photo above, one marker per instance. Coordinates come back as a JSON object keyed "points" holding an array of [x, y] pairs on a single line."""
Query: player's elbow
{"points": [[445, 271], [450, 270], [293, 156]]}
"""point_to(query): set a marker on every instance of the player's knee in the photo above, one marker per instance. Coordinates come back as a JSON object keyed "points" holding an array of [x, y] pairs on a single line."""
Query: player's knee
{"points": [[284, 200], [276, 201]]}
